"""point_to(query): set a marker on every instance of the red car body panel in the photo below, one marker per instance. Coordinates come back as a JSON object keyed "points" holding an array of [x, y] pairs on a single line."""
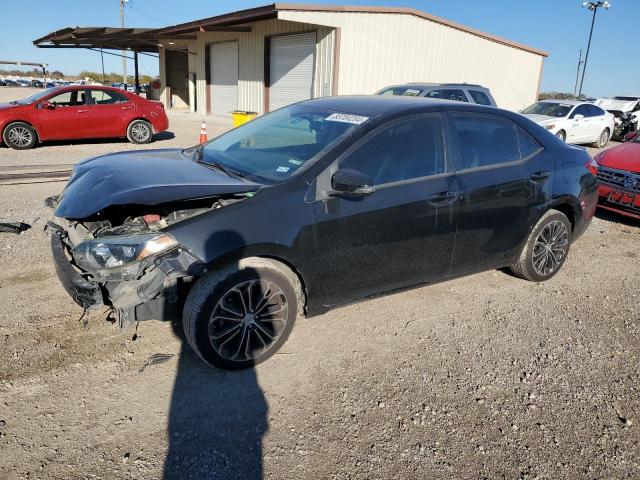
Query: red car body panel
{"points": [[616, 166], [89, 119]]}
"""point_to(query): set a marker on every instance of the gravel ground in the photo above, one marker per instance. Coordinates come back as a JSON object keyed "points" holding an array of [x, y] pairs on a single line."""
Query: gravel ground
{"points": [[486, 376]]}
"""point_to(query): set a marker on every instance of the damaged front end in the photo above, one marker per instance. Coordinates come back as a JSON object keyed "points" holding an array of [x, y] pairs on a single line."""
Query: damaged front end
{"points": [[122, 259]]}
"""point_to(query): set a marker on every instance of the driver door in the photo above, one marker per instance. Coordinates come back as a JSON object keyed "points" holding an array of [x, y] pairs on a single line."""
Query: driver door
{"points": [[67, 116], [580, 129], [402, 234]]}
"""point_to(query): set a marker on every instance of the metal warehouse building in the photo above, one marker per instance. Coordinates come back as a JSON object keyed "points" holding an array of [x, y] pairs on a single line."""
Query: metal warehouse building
{"points": [[263, 58]]}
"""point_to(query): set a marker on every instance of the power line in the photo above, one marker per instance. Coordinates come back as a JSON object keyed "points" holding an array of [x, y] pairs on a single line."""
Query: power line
{"points": [[155, 19]]}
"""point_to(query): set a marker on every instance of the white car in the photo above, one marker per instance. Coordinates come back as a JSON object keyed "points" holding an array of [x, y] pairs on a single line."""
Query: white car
{"points": [[573, 121]]}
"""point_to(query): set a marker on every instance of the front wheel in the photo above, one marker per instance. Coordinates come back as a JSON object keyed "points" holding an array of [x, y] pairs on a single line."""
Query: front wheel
{"points": [[546, 249], [20, 136], [139, 132], [240, 315], [561, 135]]}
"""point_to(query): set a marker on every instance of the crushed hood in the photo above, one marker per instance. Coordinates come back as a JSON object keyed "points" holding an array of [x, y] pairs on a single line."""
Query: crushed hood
{"points": [[149, 177], [540, 118], [623, 157], [617, 105]]}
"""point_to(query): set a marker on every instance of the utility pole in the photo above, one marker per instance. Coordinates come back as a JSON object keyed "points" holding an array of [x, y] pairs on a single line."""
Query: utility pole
{"points": [[593, 6], [580, 62], [124, 53]]}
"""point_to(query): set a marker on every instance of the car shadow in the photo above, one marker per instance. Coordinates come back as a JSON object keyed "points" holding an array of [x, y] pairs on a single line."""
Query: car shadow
{"points": [[158, 137], [216, 422], [610, 216]]}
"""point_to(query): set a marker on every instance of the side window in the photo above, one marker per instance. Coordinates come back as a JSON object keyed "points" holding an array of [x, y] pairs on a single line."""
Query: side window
{"points": [[453, 94], [485, 140], [434, 94], [479, 97], [580, 110], [595, 111], [102, 97], [402, 151], [68, 99], [528, 145]]}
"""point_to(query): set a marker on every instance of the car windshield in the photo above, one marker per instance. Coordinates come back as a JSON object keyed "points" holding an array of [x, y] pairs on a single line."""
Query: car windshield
{"points": [[549, 109], [272, 148], [402, 91], [35, 97]]}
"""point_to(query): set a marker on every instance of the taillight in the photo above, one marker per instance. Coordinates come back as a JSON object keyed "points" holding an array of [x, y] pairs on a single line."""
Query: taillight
{"points": [[592, 166]]}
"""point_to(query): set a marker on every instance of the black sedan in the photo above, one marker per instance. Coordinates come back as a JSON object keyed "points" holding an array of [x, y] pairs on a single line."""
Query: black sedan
{"points": [[312, 206]]}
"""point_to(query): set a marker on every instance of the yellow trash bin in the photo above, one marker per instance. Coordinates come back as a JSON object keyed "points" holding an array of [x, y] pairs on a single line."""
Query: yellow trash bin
{"points": [[240, 117]]}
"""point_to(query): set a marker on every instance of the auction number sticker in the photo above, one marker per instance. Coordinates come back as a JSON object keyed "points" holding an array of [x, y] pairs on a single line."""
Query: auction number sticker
{"points": [[347, 118]]}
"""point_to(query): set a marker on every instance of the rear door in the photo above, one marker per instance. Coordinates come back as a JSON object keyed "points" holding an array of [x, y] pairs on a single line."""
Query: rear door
{"points": [[66, 118], [110, 113], [504, 177], [401, 234]]}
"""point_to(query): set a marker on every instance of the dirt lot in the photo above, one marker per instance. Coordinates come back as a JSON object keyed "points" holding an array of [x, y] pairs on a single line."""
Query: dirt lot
{"points": [[486, 376]]}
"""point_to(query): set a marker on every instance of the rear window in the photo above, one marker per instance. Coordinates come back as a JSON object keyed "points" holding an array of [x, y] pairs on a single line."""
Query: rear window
{"points": [[454, 94], [485, 140], [479, 97]]}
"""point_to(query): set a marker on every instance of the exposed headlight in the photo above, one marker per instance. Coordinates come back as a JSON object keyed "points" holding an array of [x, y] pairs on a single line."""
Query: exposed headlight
{"points": [[549, 127], [109, 252]]}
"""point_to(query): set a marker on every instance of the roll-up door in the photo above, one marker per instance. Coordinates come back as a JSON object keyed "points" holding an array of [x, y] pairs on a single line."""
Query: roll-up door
{"points": [[291, 64], [224, 77]]}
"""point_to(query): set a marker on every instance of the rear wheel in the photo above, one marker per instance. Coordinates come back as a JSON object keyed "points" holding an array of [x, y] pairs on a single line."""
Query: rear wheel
{"points": [[546, 249], [139, 131], [20, 136], [561, 135], [603, 139], [241, 315]]}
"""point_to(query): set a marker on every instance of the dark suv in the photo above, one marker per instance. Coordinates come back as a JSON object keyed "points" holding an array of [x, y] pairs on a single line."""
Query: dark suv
{"points": [[312, 206]]}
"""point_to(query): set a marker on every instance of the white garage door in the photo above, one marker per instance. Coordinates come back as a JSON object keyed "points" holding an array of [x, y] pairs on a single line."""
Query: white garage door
{"points": [[224, 78], [292, 59]]}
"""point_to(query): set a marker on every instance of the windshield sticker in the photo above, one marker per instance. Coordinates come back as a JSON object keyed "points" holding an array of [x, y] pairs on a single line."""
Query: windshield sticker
{"points": [[295, 162], [282, 169], [347, 118]]}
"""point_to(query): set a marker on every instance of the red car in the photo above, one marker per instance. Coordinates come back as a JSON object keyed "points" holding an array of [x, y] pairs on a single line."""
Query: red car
{"points": [[77, 112], [619, 177]]}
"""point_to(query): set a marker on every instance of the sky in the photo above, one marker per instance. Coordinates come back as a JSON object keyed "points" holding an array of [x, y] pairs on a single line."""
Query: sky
{"points": [[560, 27]]}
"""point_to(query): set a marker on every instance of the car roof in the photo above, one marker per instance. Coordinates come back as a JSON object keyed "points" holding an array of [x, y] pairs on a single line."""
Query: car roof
{"points": [[380, 105], [566, 102], [431, 85]]}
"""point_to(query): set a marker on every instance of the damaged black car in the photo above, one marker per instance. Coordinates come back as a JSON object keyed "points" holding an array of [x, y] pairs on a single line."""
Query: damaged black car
{"points": [[315, 205]]}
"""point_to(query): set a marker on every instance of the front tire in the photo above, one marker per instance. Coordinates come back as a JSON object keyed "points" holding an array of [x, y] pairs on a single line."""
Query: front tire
{"points": [[546, 249], [20, 136], [242, 314], [139, 132], [561, 135]]}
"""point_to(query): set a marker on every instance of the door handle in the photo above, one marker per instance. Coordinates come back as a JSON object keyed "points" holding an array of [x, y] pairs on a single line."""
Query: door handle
{"points": [[126, 108], [540, 176], [83, 111], [443, 198]]}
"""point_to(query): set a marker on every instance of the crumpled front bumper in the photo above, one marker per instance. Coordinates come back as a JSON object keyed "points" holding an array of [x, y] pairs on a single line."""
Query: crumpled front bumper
{"points": [[85, 293], [157, 294]]}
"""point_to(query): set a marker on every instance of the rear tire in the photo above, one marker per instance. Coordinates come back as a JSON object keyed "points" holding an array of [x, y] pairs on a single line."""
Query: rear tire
{"points": [[603, 139], [242, 314], [561, 135], [546, 249], [20, 136], [139, 132]]}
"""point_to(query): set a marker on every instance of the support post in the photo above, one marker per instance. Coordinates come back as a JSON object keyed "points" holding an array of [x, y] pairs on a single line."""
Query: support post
{"points": [[135, 69]]}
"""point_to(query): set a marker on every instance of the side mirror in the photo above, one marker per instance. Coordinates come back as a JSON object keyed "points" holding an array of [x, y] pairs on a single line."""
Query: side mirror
{"points": [[351, 183], [578, 117], [46, 105], [631, 136]]}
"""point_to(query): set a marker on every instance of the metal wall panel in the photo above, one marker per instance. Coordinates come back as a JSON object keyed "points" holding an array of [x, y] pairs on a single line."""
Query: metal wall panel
{"points": [[224, 78], [380, 49], [291, 69]]}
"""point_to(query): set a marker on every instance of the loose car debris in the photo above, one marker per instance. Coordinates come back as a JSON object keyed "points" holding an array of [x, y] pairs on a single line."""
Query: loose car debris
{"points": [[155, 359], [8, 226]]}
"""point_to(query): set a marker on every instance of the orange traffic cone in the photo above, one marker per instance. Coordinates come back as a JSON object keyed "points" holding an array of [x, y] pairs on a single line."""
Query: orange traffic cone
{"points": [[203, 133]]}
